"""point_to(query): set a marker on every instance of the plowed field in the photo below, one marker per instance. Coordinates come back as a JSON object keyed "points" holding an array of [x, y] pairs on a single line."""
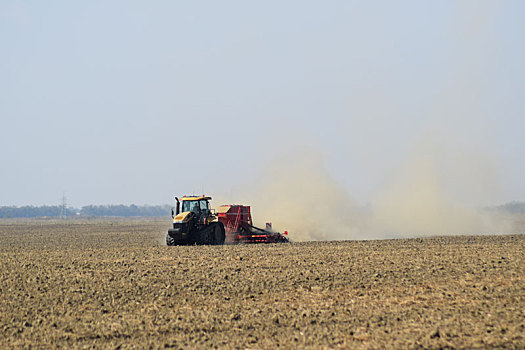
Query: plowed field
{"points": [[113, 284]]}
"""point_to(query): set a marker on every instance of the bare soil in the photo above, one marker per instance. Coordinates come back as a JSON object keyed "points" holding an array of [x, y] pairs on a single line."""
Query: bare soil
{"points": [[114, 284]]}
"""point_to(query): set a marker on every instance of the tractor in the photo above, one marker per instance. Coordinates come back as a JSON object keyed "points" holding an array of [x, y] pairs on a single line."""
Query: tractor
{"points": [[194, 222]]}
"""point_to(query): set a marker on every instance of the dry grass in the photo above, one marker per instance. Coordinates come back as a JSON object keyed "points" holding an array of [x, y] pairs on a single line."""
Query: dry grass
{"points": [[110, 284]]}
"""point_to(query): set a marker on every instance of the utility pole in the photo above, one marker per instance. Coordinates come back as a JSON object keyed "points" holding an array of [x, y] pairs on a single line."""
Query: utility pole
{"points": [[63, 207]]}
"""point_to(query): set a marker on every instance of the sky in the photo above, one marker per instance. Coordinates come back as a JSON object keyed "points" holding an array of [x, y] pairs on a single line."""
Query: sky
{"points": [[121, 102]]}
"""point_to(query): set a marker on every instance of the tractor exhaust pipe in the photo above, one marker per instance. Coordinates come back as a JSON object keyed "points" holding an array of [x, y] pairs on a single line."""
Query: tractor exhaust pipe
{"points": [[177, 209]]}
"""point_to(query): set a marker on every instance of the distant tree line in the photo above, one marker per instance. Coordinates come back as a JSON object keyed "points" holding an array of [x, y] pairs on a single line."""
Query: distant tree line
{"points": [[125, 210], [512, 208], [30, 211], [86, 211]]}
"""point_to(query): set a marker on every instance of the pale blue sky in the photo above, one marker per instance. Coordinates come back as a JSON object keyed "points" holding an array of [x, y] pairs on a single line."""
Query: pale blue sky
{"points": [[135, 101]]}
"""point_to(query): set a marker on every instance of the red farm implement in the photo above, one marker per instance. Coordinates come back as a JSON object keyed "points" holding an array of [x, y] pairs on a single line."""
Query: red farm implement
{"points": [[237, 220]]}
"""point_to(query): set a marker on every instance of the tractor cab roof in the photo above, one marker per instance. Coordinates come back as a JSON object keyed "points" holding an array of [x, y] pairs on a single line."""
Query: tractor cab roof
{"points": [[195, 198]]}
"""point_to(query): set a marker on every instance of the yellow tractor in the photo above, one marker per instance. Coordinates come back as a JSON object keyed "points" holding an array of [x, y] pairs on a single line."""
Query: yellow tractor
{"points": [[194, 222]]}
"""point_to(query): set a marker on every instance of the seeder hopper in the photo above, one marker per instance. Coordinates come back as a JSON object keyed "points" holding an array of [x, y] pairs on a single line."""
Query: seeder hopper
{"points": [[237, 219]]}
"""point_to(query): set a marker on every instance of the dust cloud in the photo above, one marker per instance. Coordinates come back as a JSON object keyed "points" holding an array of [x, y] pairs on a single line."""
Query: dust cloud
{"points": [[435, 192], [439, 187], [297, 194]]}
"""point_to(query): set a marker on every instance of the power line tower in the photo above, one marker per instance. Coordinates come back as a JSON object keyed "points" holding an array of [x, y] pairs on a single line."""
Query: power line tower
{"points": [[63, 207]]}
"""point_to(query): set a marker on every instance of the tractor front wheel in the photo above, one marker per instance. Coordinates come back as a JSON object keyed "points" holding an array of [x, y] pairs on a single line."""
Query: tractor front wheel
{"points": [[170, 240]]}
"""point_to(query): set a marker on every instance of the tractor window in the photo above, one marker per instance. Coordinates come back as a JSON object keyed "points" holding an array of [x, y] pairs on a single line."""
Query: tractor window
{"points": [[204, 205], [195, 206], [190, 206]]}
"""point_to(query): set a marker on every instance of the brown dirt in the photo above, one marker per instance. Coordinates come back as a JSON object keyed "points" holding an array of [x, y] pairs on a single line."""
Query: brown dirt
{"points": [[111, 284]]}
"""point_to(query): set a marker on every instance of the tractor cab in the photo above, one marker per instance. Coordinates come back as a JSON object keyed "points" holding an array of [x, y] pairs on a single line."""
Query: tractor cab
{"points": [[193, 206], [197, 206]]}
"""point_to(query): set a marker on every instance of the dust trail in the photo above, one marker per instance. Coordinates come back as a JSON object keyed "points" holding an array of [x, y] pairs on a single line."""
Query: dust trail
{"points": [[438, 191], [297, 194], [438, 187], [435, 192]]}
